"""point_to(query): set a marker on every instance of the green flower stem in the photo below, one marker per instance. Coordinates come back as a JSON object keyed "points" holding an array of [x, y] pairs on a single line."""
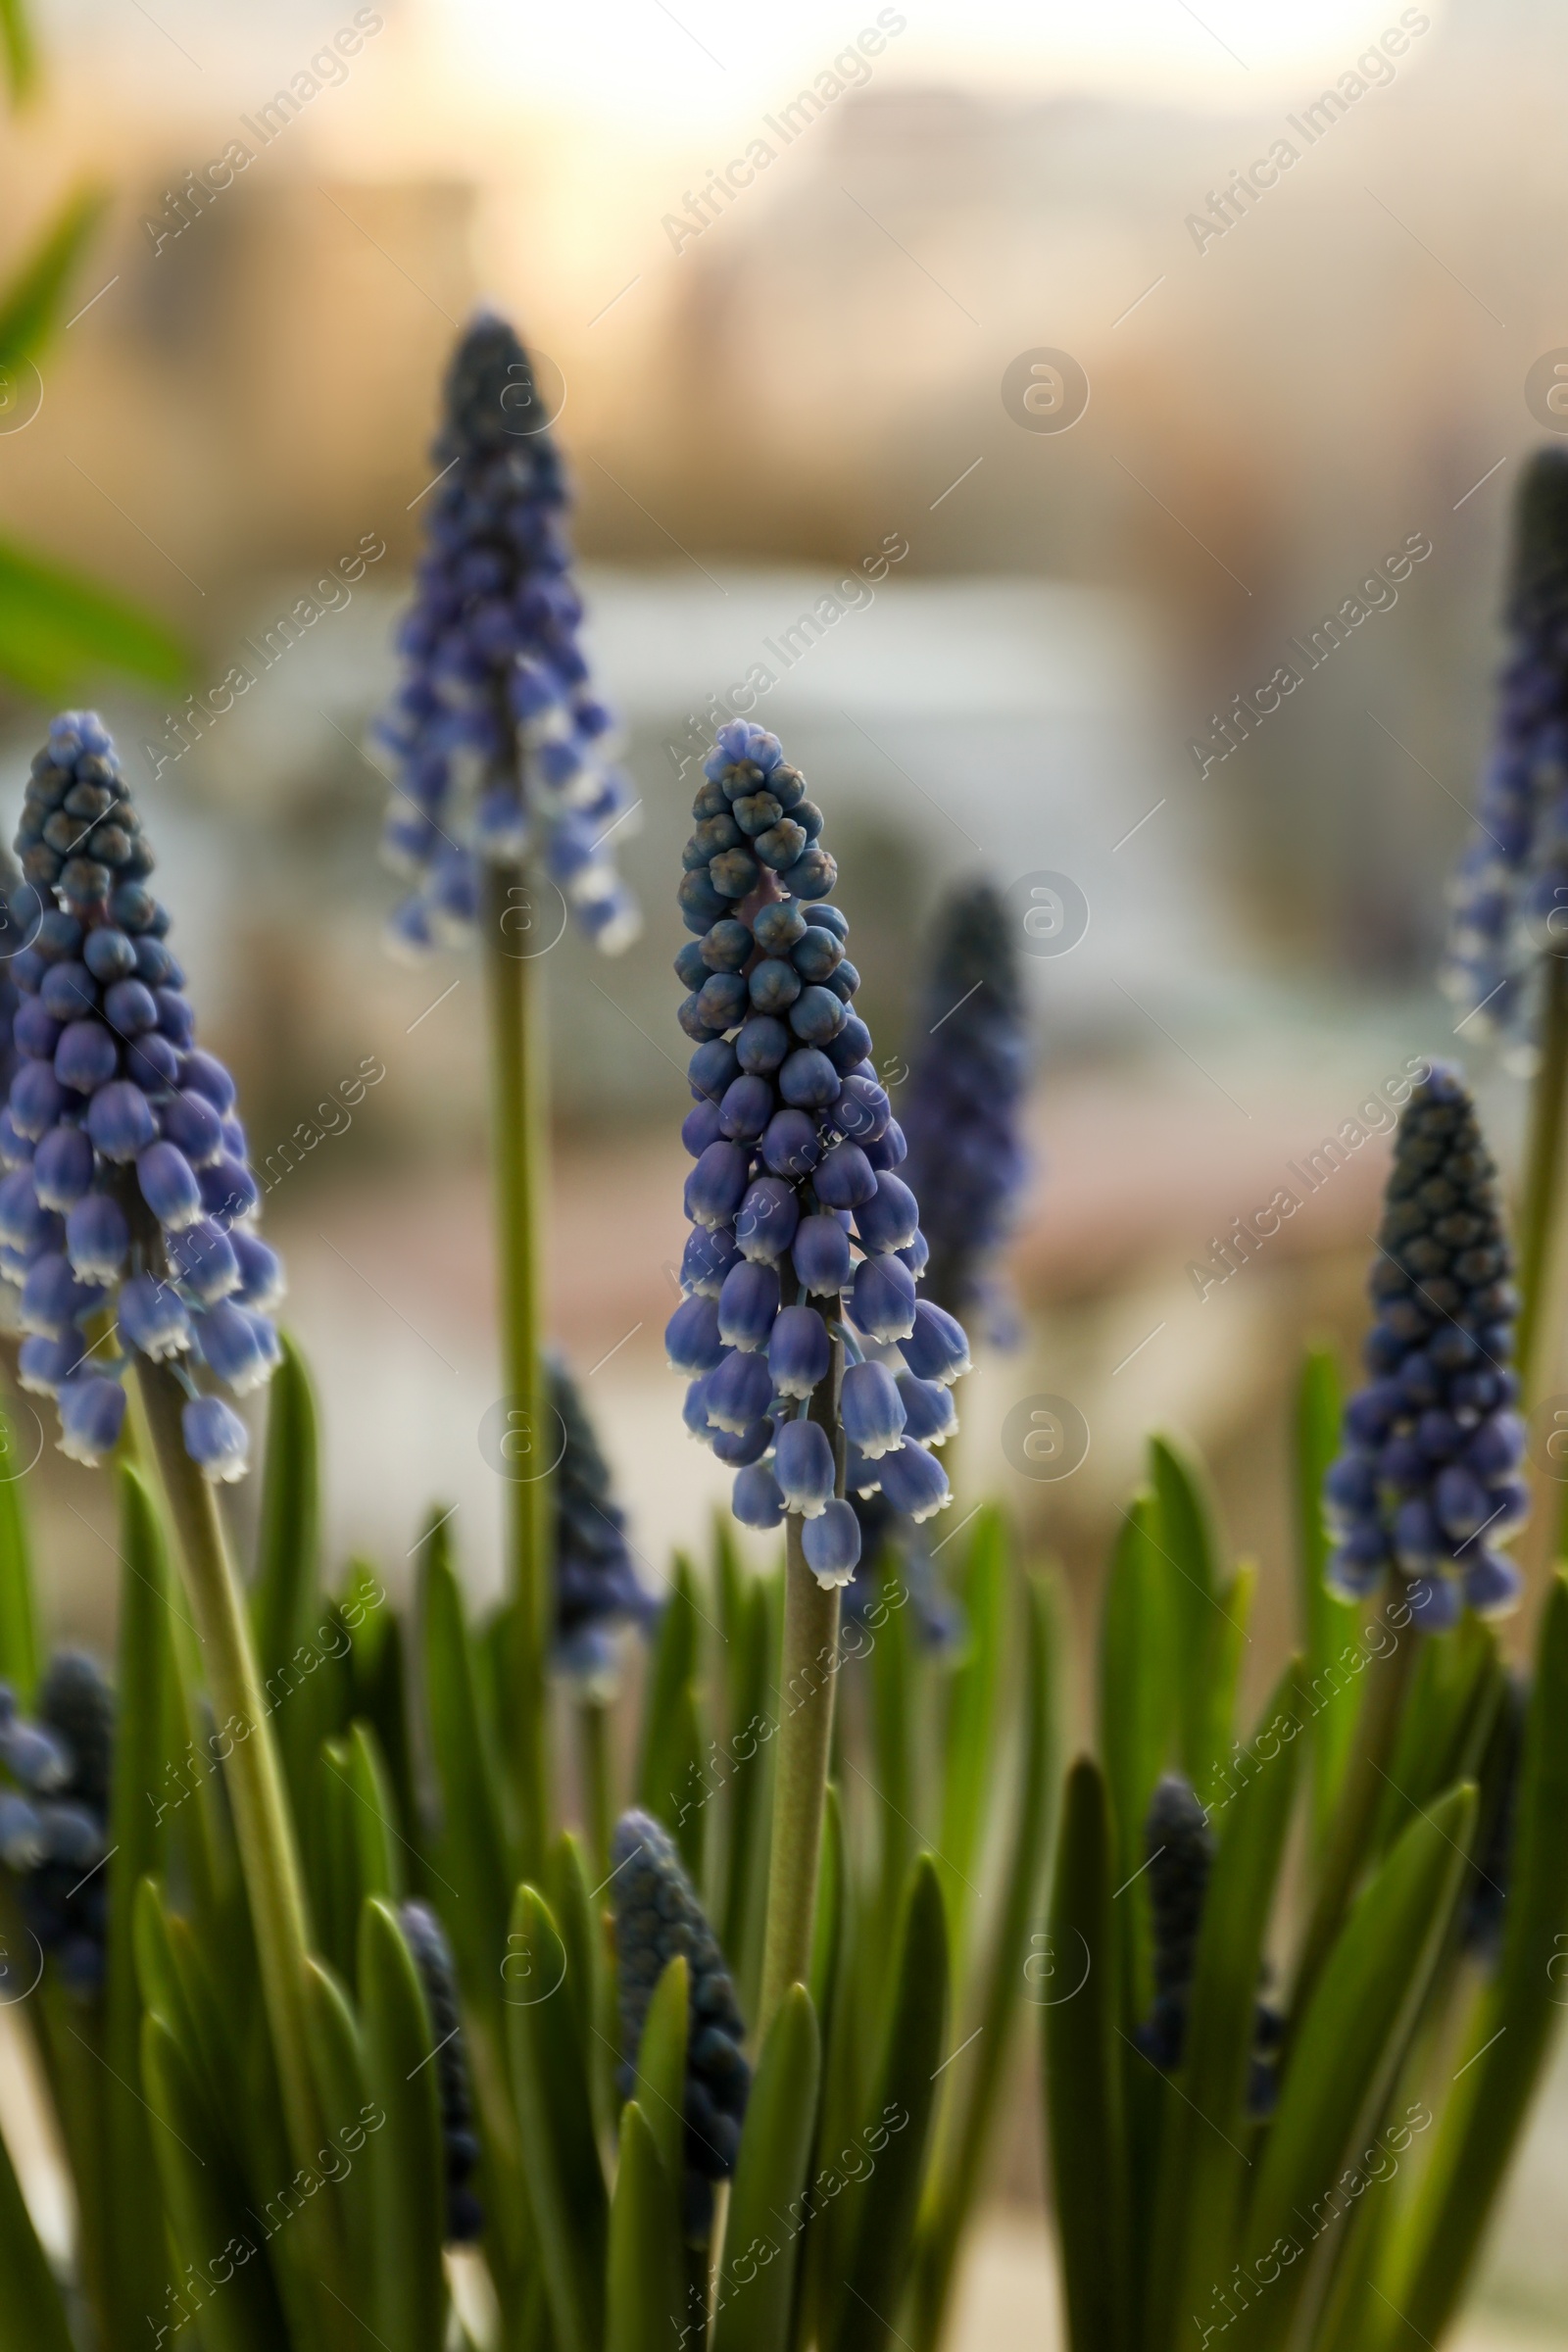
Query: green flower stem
{"points": [[1538, 1210], [261, 1827], [808, 1677], [512, 955], [598, 1800], [1365, 1780]]}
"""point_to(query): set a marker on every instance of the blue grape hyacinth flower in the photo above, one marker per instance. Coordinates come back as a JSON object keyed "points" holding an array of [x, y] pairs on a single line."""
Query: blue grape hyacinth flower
{"points": [[963, 1104], [55, 1773], [597, 1587], [1509, 894], [657, 1918], [1426, 1481], [503, 753], [804, 1233], [127, 1217], [459, 2143], [1180, 1847]]}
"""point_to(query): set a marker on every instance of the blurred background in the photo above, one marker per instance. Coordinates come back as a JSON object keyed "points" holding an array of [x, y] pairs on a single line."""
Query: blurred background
{"points": [[1132, 347]]}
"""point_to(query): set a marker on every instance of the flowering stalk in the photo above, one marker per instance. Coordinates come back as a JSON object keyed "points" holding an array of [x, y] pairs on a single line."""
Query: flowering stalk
{"points": [[505, 799], [783, 1327]]}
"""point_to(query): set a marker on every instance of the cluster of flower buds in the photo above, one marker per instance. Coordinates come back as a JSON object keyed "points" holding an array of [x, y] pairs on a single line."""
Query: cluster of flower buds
{"points": [[1428, 1479], [502, 751], [597, 1586], [54, 1818], [1510, 893], [803, 1232], [460, 2144], [658, 1919], [127, 1218], [1180, 1847]]}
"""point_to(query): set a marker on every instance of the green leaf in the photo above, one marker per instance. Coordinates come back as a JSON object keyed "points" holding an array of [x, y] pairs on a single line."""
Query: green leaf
{"points": [[559, 2160], [756, 2286], [406, 2169], [974, 2096], [1138, 1702], [660, 2089], [1453, 1705], [880, 2206], [59, 632], [32, 2316], [337, 2061], [1347, 2051], [1184, 1528], [207, 2204], [1204, 2161], [892, 1739], [19, 1617], [286, 1598], [1332, 1682], [1515, 2021], [646, 2283], [1083, 2075], [31, 303], [973, 1714], [471, 1855]]}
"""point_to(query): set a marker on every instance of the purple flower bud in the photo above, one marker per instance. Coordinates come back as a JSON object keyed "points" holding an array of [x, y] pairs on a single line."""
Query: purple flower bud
{"points": [[1416, 1539], [748, 1305], [799, 1352], [712, 1069], [708, 1257], [128, 1008], [239, 1347], [152, 1063], [863, 1111], [169, 1185], [803, 1464], [756, 1500], [739, 1393], [845, 1179], [33, 1031], [747, 1108], [930, 1415], [717, 1186], [892, 1219], [741, 1448], [52, 1298], [913, 1482], [935, 1348], [915, 1255], [120, 1121], [204, 1258], [890, 1150], [93, 1411], [692, 1343], [61, 1167], [1434, 1602], [87, 1056], [820, 1256], [216, 1439], [205, 1074], [767, 1220], [43, 1365], [831, 1542], [1498, 1446], [262, 1285], [1350, 1487], [703, 1125], [694, 1411], [24, 1223], [229, 1190], [861, 1477], [792, 1145], [97, 1237], [190, 1120], [882, 1302], [1491, 1584], [807, 1079], [152, 1317], [37, 1099], [871, 1410]]}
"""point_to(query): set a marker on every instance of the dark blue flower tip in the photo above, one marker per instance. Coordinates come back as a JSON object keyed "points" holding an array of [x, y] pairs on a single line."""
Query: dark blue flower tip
{"points": [[216, 1439], [846, 1179], [769, 1219], [882, 1300], [799, 1354], [1427, 1484], [748, 1305], [831, 1544], [872, 1410], [717, 1186], [756, 1499], [822, 1256], [891, 1218], [913, 1481], [597, 1587], [657, 1919], [738, 1394], [459, 2146], [930, 1415], [501, 750], [692, 1342], [53, 1824], [709, 1254], [804, 1466], [936, 1348]]}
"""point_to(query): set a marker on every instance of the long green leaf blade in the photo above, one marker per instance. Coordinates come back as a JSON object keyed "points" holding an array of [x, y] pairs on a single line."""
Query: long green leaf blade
{"points": [[755, 2290], [31, 303], [1083, 2076], [19, 1615], [33, 2317], [559, 2160], [406, 2163], [59, 631], [1328, 1623], [645, 2282]]}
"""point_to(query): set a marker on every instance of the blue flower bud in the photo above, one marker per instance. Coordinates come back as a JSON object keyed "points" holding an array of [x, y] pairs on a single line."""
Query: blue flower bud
{"points": [[240, 1348], [850, 1049], [154, 1317], [762, 1045], [190, 1120], [97, 1238], [228, 1192], [804, 1466], [717, 1186], [798, 1352], [773, 985], [754, 1497], [169, 1185], [872, 1410], [24, 1223], [1492, 1583], [891, 1219], [742, 1448], [739, 1391], [822, 1256], [703, 1125], [52, 1298], [935, 1347], [36, 1100], [807, 1079], [882, 1301], [913, 1481], [845, 1178], [831, 1542], [92, 1411], [120, 1121], [766, 1221], [61, 1167], [792, 1145], [216, 1439], [748, 1305], [712, 1070], [87, 1056], [206, 1261], [747, 1107], [710, 1253], [43, 1363], [692, 1343]]}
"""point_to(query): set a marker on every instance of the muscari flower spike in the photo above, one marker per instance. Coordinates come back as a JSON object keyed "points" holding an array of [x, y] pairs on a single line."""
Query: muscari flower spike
{"points": [[800, 1228], [597, 1586], [963, 1105], [54, 1815], [503, 752], [1509, 895], [130, 1208], [1428, 1480], [1179, 1848], [459, 2146], [657, 1916]]}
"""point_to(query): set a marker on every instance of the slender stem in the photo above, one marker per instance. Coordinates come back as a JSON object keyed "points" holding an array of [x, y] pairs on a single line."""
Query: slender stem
{"points": [[263, 1830], [599, 1804], [1365, 1780], [808, 1679], [1538, 1210], [512, 954]]}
